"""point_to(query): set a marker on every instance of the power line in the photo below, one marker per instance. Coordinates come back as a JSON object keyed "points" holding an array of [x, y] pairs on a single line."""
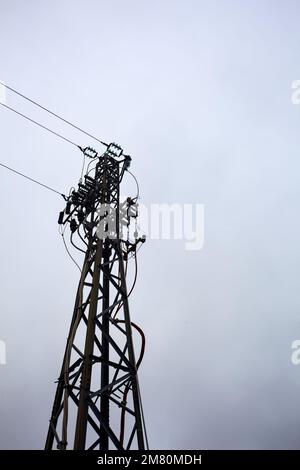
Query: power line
{"points": [[53, 114], [68, 251], [33, 180], [137, 184], [40, 125]]}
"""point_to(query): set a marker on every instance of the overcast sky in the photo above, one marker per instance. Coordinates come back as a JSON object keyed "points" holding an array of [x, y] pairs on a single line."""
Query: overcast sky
{"points": [[199, 93]]}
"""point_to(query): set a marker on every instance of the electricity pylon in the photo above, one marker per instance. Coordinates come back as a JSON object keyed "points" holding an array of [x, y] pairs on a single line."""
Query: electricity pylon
{"points": [[97, 403]]}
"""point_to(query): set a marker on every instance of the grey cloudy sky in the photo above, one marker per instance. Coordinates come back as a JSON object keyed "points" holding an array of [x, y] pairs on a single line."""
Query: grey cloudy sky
{"points": [[199, 93]]}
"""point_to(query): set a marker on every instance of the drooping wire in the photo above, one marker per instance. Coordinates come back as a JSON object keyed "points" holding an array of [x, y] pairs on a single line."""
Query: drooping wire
{"points": [[39, 124], [81, 238], [62, 233], [135, 277], [53, 114], [33, 180], [75, 246], [137, 184]]}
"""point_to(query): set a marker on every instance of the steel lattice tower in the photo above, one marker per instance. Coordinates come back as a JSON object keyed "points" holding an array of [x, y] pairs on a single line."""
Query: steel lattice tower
{"points": [[97, 403]]}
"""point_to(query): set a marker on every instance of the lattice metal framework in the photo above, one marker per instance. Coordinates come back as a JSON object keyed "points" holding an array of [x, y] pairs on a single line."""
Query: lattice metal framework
{"points": [[98, 403]]}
